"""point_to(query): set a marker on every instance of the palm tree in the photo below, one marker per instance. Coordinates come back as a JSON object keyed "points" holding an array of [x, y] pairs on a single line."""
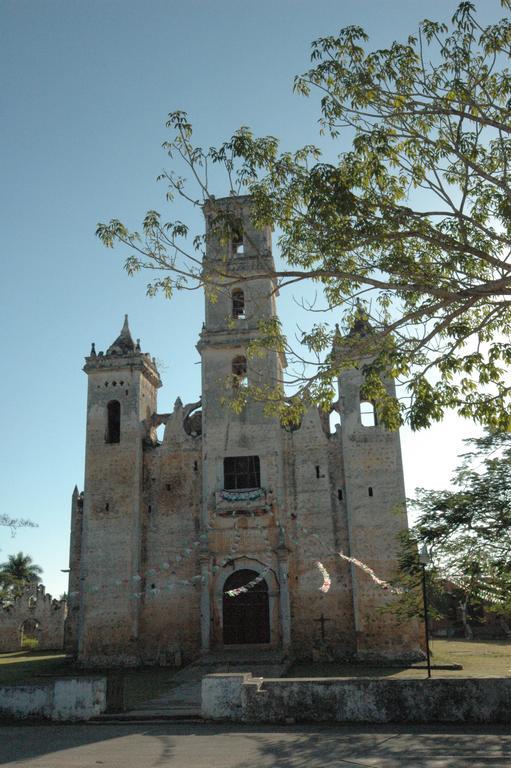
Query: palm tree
{"points": [[18, 571]]}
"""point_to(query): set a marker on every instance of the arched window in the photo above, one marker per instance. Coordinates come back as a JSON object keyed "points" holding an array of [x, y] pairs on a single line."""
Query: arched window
{"points": [[239, 371], [367, 414], [113, 431], [238, 303], [334, 419]]}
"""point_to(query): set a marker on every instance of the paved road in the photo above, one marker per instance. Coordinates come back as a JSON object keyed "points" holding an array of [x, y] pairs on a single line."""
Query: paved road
{"points": [[232, 746]]}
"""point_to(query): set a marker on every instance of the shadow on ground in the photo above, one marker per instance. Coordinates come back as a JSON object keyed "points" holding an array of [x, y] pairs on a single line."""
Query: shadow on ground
{"points": [[233, 746]]}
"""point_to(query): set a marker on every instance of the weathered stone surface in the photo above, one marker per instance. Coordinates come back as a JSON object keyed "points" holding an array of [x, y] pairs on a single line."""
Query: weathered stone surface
{"points": [[155, 536], [73, 698], [356, 700]]}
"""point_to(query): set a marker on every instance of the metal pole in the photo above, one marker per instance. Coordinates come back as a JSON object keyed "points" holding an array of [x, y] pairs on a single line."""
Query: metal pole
{"points": [[425, 599]]}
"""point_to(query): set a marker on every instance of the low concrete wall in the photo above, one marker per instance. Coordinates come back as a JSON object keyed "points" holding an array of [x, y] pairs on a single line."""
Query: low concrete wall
{"points": [[70, 698], [356, 700]]}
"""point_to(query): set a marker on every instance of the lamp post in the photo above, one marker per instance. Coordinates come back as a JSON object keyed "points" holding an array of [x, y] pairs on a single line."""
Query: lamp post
{"points": [[424, 560]]}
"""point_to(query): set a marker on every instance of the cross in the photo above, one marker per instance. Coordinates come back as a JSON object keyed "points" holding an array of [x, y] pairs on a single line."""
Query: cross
{"points": [[322, 621]]}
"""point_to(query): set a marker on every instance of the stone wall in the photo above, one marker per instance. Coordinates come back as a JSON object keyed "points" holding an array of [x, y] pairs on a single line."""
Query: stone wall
{"points": [[243, 698], [74, 698], [169, 602], [33, 605]]}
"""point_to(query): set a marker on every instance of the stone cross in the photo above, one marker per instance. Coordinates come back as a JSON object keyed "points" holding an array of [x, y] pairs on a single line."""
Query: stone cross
{"points": [[322, 621]]}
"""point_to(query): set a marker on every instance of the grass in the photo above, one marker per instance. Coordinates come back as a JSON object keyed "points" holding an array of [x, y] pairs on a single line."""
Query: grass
{"points": [[40, 666], [29, 644], [35, 666], [489, 659]]}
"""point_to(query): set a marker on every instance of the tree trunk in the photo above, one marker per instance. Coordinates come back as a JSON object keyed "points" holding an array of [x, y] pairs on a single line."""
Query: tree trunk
{"points": [[469, 634]]}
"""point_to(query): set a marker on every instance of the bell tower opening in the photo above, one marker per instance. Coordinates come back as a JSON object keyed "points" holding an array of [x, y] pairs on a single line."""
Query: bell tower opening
{"points": [[113, 430], [246, 616]]}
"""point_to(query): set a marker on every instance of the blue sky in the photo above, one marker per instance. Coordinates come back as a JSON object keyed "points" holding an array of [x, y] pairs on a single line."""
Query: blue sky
{"points": [[86, 87]]}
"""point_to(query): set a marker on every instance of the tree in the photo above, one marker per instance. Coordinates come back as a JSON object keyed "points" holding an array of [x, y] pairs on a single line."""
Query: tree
{"points": [[15, 522], [410, 227], [468, 529], [19, 571]]}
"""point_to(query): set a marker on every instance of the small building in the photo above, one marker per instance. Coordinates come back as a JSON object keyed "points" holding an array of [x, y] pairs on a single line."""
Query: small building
{"points": [[210, 539]]}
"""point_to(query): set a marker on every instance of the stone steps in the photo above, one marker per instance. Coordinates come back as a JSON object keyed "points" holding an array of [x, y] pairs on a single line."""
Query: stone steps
{"points": [[182, 700]]}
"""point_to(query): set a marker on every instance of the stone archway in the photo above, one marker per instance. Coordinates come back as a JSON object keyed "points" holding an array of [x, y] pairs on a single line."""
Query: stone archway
{"points": [[30, 633], [245, 617]]}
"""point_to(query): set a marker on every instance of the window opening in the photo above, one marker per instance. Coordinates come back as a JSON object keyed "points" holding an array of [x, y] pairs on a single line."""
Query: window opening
{"points": [[367, 414], [241, 472], [318, 471], [339, 494], [113, 434], [238, 304], [239, 371], [192, 424], [237, 244], [370, 491], [334, 419]]}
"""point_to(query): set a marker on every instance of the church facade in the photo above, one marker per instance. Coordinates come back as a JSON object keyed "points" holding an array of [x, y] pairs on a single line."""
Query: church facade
{"points": [[227, 532]]}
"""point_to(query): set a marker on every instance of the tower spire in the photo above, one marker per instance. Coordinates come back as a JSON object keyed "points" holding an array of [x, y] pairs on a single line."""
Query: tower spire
{"points": [[124, 343]]}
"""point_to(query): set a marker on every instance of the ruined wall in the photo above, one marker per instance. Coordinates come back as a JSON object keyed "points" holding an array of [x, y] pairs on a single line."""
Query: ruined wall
{"points": [[169, 589], [33, 605]]}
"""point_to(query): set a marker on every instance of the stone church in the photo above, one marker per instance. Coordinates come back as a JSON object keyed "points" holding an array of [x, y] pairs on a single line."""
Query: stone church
{"points": [[225, 534]]}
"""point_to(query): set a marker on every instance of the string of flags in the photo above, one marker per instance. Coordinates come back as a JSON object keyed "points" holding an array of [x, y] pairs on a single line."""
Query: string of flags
{"points": [[379, 582], [327, 582], [173, 582], [166, 567], [249, 585]]}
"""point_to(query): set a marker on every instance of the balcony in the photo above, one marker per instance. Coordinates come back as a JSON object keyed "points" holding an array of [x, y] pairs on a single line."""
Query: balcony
{"points": [[252, 501]]}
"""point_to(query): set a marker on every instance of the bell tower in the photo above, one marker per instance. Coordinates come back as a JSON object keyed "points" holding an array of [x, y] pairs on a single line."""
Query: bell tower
{"points": [[122, 387], [238, 300], [242, 452], [375, 505]]}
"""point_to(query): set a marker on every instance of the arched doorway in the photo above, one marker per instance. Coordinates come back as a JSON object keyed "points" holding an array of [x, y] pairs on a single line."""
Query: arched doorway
{"points": [[246, 617], [29, 634]]}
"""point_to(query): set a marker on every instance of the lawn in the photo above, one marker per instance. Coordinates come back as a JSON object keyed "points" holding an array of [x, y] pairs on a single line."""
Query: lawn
{"points": [[489, 659], [40, 666], [27, 667]]}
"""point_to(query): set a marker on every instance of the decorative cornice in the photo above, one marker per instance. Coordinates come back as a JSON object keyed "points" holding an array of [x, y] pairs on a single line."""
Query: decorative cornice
{"points": [[139, 361]]}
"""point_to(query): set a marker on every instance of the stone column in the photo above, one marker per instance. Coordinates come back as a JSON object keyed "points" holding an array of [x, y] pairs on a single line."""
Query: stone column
{"points": [[285, 611], [205, 603]]}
